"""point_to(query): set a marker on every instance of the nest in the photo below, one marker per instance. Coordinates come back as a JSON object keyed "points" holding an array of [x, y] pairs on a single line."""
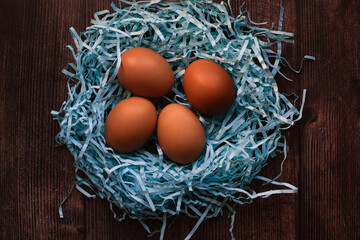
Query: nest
{"points": [[145, 184]]}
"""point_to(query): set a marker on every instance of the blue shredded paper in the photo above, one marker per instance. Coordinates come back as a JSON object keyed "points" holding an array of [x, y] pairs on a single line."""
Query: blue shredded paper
{"points": [[144, 184]]}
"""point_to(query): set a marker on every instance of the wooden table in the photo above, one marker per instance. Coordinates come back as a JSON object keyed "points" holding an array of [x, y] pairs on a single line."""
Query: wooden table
{"points": [[324, 157]]}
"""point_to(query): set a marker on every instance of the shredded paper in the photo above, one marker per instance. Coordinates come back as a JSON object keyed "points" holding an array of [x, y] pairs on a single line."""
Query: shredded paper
{"points": [[144, 184]]}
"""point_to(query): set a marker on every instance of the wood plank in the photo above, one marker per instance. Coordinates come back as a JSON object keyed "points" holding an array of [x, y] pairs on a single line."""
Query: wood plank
{"points": [[35, 175], [329, 168], [9, 181], [276, 217]]}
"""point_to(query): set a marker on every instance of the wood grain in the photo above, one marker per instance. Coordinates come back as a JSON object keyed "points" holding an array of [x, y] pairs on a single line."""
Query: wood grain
{"points": [[323, 161], [329, 167]]}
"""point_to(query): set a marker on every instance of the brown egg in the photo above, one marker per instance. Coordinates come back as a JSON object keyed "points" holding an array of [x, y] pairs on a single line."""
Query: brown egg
{"points": [[130, 124], [180, 134], [208, 87], [145, 73]]}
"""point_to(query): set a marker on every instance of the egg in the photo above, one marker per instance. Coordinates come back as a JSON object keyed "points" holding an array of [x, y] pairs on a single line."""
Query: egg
{"points": [[208, 87], [180, 134], [130, 124], [145, 73]]}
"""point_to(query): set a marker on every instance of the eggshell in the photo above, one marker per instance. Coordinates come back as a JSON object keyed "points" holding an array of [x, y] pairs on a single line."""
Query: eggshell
{"points": [[130, 124], [145, 73], [180, 134], [208, 87]]}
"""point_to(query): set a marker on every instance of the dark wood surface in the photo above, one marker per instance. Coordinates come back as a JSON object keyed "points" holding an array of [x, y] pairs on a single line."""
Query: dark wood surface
{"points": [[324, 157]]}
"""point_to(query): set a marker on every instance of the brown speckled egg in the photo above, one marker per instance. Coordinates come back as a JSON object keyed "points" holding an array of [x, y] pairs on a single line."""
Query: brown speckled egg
{"points": [[130, 124], [145, 73], [208, 87], [180, 134]]}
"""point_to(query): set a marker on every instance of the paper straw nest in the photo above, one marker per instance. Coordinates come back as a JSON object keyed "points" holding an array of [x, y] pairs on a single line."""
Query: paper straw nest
{"points": [[145, 184]]}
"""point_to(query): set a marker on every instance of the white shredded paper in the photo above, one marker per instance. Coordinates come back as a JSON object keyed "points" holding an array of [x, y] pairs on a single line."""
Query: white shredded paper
{"points": [[144, 184]]}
